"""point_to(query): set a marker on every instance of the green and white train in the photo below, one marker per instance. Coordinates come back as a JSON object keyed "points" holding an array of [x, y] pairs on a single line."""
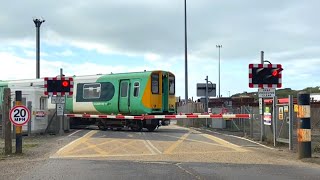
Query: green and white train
{"points": [[132, 94]]}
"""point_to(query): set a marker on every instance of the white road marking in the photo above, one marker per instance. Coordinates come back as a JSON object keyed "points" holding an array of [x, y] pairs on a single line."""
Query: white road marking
{"points": [[150, 149], [150, 145], [156, 149], [74, 132]]}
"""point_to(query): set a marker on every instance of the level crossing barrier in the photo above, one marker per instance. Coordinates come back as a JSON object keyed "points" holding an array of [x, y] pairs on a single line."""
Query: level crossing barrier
{"points": [[174, 116]]}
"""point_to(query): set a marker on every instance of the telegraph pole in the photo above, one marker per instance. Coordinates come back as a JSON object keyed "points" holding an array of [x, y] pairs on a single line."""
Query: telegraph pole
{"points": [[262, 106], [185, 51], [38, 23], [219, 46]]}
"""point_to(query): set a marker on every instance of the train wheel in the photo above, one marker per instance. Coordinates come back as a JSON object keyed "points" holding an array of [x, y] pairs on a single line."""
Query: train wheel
{"points": [[151, 128], [136, 127], [102, 127]]}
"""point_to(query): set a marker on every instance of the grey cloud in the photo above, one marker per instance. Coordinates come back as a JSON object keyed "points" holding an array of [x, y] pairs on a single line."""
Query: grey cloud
{"points": [[243, 27]]}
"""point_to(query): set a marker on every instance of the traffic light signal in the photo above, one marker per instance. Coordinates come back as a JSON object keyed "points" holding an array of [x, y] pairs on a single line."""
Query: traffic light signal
{"points": [[265, 75], [58, 86]]}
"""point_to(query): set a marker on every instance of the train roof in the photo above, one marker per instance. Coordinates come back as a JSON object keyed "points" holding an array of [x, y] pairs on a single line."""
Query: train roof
{"points": [[41, 80]]}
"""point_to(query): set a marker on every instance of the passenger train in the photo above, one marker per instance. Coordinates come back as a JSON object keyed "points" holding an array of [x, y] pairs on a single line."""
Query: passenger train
{"points": [[132, 93]]}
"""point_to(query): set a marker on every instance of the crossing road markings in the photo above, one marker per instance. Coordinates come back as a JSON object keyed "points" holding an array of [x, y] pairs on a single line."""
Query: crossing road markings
{"points": [[177, 143], [69, 147], [119, 147], [92, 146], [95, 148], [225, 143], [192, 140]]}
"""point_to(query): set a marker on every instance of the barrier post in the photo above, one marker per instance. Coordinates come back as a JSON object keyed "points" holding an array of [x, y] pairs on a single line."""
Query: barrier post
{"points": [[304, 125]]}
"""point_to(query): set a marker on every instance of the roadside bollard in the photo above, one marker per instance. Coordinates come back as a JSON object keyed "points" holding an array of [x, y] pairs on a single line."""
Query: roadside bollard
{"points": [[304, 125]]}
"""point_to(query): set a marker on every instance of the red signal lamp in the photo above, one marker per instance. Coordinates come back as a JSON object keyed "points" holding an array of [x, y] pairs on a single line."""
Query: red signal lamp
{"points": [[65, 83], [275, 73]]}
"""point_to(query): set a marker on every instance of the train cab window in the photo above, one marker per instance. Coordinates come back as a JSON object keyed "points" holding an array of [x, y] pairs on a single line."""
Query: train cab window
{"points": [[155, 83], [171, 85], [91, 91], [124, 89], [136, 89]]}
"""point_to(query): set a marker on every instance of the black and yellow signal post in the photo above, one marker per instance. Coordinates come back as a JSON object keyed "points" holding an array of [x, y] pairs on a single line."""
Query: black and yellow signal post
{"points": [[19, 115], [304, 125], [18, 128]]}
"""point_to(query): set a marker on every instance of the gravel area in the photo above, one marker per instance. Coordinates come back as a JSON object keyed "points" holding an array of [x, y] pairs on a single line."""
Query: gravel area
{"points": [[36, 151]]}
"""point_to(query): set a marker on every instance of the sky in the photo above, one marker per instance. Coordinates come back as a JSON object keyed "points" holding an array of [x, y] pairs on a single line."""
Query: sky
{"points": [[98, 36]]}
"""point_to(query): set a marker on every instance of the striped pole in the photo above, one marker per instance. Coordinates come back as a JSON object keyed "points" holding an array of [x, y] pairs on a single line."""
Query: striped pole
{"points": [[304, 125], [18, 128]]}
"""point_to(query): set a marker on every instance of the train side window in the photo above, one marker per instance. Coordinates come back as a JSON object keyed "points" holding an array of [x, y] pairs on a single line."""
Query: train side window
{"points": [[171, 85], [136, 89], [91, 91], [155, 83], [124, 89]]}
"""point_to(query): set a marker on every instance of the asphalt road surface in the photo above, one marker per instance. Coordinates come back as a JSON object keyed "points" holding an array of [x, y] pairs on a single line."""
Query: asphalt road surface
{"points": [[169, 153]]}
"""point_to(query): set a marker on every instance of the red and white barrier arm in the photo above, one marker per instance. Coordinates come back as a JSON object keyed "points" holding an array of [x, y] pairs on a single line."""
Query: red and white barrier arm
{"points": [[184, 116]]}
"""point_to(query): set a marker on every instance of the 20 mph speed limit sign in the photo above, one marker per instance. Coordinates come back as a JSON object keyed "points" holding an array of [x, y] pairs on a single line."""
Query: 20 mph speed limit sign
{"points": [[19, 115]]}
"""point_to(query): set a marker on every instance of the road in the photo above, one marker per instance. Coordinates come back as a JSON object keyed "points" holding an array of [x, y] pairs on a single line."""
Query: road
{"points": [[168, 153]]}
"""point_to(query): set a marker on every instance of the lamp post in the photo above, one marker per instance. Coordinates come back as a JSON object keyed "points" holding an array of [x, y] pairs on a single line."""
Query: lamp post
{"points": [[185, 51], [219, 46], [38, 23]]}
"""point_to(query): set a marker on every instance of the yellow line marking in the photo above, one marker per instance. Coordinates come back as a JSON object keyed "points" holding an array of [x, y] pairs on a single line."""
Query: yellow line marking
{"points": [[75, 143], [131, 155], [96, 148], [105, 155], [92, 146], [177, 143], [225, 143], [192, 140], [126, 144], [119, 147]]}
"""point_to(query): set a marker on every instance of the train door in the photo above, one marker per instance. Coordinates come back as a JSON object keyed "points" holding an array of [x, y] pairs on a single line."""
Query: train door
{"points": [[124, 98], [165, 92]]}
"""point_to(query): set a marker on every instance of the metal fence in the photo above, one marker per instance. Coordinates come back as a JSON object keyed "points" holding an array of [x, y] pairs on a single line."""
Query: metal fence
{"points": [[251, 128]]}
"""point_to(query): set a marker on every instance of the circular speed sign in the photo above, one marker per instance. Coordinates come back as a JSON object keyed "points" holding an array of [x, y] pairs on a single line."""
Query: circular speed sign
{"points": [[19, 115]]}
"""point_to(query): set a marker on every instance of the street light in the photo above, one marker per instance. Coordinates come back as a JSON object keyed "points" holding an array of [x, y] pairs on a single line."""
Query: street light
{"points": [[185, 51], [219, 46], [38, 23]]}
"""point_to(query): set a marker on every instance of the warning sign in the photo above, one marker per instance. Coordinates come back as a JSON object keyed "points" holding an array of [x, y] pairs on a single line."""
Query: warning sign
{"points": [[280, 113], [19, 115], [267, 119], [295, 107]]}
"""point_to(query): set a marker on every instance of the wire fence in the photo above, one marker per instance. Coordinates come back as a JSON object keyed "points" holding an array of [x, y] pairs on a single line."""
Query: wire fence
{"points": [[251, 128]]}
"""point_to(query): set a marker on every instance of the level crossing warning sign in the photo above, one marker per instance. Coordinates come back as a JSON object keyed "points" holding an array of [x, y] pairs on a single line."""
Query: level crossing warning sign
{"points": [[20, 115]]}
